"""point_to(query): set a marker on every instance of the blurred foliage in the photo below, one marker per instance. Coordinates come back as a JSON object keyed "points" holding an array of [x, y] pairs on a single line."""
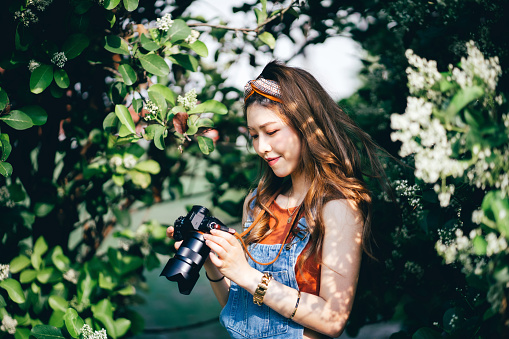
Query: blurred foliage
{"points": [[97, 114]]}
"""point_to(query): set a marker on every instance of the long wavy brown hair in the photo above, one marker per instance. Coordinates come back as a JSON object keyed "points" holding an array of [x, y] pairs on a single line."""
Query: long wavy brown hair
{"points": [[336, 155]]}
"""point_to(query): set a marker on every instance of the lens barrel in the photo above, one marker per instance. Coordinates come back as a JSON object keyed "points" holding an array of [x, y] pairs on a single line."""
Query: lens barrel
{"points": [[184, 267]]}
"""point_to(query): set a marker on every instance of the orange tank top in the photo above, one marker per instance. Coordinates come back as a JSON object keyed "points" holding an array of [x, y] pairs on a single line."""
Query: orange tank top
{"points": [[308, 278]]}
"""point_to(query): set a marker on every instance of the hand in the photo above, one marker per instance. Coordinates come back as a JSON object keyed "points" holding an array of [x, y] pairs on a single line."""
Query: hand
{"points": [[169, 234], [229, 256]]}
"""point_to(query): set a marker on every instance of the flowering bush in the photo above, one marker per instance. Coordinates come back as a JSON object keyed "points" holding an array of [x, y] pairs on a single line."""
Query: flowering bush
{"points": [[457, 127]]}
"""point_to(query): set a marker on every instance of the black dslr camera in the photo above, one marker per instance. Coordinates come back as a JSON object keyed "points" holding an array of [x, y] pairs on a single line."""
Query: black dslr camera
{"points": [[185, 266]]}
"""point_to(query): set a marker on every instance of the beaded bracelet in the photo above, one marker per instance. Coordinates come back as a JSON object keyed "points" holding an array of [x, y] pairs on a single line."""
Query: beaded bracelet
{"points": [[296, 306]]}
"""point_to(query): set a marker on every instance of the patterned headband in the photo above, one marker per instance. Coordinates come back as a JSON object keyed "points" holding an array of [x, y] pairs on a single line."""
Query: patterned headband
{"points": [[268, 88]]}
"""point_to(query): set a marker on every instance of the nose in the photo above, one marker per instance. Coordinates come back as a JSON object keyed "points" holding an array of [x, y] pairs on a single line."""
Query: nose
{"points": [[263, 145]]}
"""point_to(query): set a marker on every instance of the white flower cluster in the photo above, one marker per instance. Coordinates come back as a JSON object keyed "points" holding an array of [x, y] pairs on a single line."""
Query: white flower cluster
{"points": [[432, 153], [461, 249], [422, 76], [422, 133], [403, 189], [476, 66], [9, 324], [26, 17], [5, 197], [491, 167], [189, 100], [88, 333], [152, 109], [165, 22], [32, 65], [59, 59], [4, 271], [129, 160], [39, 4], [193, 37], [414, 269], [115, 161], [71, 275]]}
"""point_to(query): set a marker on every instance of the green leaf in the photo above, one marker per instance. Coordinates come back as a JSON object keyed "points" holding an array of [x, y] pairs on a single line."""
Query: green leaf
{"points": [[42, 209], [111, 4], [148, 44], [210, 106], [73, 322], [159, 137], [48, 275], [141, 179], [115, 44], [36, 261], [41, 246], [205, 122], [41, 78], [123, 216], [199, 47], [60, 260], [124, 131], [154, 64], [74, 45], [57, 303], [5, 169], [118, 92], [137, 105], [187, 61], [61, 78], [5, 146], [426, 333], [17, 120], [106, 281], [206, 145], [110, 122], [268, 39], [131, 5], [125, 117], [167, 93], [4, 99], [22, 333], [462, 98], [47, 332], [178, 31], [260, 15], [19, 263], [124, 263], [480, 244], [158, 99], [14, 290], [128, 74], [150, 166], [36, 113], [27, 276]]}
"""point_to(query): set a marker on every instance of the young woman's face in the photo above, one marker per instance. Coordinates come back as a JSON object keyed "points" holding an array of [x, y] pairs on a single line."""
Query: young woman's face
{"points": [[276, 142]]}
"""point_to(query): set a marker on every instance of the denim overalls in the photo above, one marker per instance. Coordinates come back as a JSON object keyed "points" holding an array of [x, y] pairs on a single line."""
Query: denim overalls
{"points": [[241, 317]]}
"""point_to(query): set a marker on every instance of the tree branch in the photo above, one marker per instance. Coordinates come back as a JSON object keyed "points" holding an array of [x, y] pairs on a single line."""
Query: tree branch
{"points": [[247, 30]]}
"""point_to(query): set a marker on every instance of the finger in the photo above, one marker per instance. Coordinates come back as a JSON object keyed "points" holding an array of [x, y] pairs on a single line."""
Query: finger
{"points": [[215, 247], [177, 244], [169, 232], [231, 239], [215, 260]]}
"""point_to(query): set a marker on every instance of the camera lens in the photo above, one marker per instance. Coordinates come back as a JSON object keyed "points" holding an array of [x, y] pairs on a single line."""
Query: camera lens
{"points": [[185, 266]]}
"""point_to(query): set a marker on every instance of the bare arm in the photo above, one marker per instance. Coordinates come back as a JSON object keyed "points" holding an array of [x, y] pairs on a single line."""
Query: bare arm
{"points": [[326, 313]]}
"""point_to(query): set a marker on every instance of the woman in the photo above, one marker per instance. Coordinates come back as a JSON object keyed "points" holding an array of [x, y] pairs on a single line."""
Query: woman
{"points": [[308, 220]]}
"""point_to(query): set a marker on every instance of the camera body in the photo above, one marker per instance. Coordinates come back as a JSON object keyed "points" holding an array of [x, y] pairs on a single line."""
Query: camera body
{"points": [[185, 266]]}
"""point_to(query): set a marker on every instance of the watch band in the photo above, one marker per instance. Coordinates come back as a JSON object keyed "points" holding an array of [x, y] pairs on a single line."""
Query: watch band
{"points": [[262, 289]]}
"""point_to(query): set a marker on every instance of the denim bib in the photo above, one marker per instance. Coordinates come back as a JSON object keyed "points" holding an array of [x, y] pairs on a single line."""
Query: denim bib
{"points": [[240, 316]]}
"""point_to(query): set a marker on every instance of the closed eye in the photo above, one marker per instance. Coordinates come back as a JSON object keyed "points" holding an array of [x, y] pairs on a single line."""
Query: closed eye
{"points": [[272, 132], [254, 136]]}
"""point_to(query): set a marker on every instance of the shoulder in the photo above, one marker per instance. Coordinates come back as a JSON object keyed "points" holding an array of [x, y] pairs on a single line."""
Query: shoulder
{"points": [[341, 213]]}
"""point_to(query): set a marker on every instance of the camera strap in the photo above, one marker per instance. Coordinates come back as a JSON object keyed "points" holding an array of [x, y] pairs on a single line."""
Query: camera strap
{"points": [[257, 219]]}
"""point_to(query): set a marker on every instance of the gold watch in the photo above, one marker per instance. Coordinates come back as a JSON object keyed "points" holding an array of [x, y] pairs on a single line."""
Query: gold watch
{"points": [[262, 289]]}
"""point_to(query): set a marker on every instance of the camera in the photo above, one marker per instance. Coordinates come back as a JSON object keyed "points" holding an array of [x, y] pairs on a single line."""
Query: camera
{"points": [[185, 266]]}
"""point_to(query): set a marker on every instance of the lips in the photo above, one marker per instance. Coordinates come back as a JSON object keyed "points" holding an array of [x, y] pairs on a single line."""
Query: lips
{"points": [[272, 161]]}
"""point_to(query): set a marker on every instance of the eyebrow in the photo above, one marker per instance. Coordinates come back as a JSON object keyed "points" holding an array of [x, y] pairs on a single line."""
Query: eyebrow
{"points": [[263, 125]]}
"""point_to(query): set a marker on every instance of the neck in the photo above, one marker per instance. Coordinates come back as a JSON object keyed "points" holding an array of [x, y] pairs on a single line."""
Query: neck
{"points": [[299, 189]]}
